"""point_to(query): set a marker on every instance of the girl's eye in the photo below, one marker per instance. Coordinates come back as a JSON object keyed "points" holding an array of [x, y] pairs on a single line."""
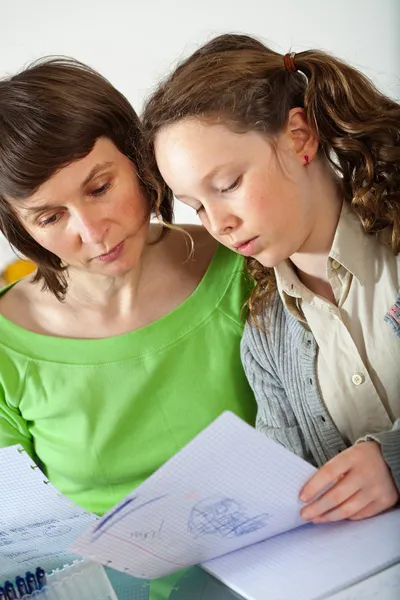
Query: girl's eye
{"points": [[198, 210], [232, 187], [100, 190]]}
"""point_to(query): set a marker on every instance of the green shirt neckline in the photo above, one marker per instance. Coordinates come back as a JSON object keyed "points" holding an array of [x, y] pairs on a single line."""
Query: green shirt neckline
{"points": [[155, 337]]}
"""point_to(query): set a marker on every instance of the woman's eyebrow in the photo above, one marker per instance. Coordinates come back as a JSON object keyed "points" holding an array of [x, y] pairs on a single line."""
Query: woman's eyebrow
{"points": [[34, 210], [95, 171]]}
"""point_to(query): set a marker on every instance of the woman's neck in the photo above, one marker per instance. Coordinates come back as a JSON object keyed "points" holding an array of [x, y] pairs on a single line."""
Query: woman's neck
{"points": [[117, 296], [101, 294]]}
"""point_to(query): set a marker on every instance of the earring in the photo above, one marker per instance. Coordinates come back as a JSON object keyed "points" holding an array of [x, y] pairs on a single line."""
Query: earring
{"points": [[307, 160]]}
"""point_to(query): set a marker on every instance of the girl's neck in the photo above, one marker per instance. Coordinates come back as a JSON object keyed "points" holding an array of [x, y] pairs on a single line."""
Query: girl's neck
{"points": [[311, 259]]}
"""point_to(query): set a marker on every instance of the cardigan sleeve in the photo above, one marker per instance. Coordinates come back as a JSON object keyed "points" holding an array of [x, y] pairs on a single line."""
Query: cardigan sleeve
{"points": [[390, 440], [390, 447], [275, 415]]}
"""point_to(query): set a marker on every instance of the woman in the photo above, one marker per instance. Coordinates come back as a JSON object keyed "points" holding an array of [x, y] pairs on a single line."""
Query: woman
{"points": [[294, 162], [124, 344]]}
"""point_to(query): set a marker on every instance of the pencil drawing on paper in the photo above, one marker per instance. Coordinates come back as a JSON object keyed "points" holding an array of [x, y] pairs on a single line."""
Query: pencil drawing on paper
{"points": [[56, 530], [223, 517]]}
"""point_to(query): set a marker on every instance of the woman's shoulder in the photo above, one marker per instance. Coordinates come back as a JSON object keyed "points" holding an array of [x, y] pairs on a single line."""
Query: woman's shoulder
{"points": [[189, 249], [195, 241], [13, 298], [17, 301], [13, 310]]}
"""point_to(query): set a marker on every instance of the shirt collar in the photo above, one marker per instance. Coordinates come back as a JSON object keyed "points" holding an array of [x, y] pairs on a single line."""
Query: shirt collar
{"points": [[350, 243], [349, 249], [290, 288]]}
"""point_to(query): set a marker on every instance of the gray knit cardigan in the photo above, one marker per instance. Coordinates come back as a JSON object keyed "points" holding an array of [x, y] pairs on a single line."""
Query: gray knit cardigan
{"points": [[280, 361]]}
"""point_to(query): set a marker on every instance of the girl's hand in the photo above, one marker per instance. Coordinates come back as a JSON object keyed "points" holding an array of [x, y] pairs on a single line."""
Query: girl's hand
{"points": [[358, 485]]}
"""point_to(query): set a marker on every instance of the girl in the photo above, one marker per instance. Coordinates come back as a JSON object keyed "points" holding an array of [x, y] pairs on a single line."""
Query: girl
{"points": [[294, 162]]}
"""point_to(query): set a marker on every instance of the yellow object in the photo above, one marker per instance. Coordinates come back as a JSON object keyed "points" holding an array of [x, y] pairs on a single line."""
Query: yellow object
{"points": [[20, 268]]}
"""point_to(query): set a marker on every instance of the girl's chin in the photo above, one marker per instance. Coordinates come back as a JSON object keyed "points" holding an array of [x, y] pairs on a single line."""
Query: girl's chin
{"points": [[268, 259]]}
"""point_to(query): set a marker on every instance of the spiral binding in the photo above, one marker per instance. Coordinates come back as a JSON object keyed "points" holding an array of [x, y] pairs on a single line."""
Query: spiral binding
{"points": [[81, 580]]}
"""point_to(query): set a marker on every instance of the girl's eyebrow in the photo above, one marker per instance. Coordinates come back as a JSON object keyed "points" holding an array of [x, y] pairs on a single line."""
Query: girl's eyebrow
{"points": [[205, 179], [213, 172]]}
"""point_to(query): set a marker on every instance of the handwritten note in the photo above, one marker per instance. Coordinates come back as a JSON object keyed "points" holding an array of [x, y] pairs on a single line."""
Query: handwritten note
{"points": [[228, 488], [229, 500], [37, 523]]}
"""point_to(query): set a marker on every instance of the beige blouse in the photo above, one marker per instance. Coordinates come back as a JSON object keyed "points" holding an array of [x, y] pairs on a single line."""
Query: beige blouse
{"points": [[358, 362]]}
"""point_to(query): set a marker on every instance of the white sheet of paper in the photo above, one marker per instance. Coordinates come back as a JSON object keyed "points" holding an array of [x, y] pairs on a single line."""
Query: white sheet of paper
{"points": [[37, 523], [229, 487], [313, 561], [382, 586]]}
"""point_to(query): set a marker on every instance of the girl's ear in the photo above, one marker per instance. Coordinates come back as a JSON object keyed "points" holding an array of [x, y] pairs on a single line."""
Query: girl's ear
{"points": [[300, 137]]}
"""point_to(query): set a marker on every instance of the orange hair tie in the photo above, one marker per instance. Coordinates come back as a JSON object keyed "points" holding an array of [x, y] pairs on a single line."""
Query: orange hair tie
{"points": [[289, 62]]}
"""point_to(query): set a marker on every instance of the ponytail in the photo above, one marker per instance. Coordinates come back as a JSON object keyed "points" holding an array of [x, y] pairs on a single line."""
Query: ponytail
{"points": [[359, 132]]}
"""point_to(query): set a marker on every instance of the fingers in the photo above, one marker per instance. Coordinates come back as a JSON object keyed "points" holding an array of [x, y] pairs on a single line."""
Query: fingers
{"points": [[372, 509], [354, 485], [352, 506], [333, 498], [325, 476]]}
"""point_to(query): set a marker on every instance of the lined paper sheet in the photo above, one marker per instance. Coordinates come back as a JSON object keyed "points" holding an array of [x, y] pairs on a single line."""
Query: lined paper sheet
{"points": [[229, 487], [382, 586], [37, 523], [314, 561]]}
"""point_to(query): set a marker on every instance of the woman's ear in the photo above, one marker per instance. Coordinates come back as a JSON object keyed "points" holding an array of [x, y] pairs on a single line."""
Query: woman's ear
{"points": [[300, 137]]}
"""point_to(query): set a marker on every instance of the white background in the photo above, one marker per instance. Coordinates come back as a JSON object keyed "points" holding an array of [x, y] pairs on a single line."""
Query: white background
{"points": [[136, 42]]}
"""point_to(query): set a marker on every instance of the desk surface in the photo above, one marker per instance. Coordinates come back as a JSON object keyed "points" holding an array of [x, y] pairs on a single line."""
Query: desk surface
{"points": [[196, 584], [192, 584]]}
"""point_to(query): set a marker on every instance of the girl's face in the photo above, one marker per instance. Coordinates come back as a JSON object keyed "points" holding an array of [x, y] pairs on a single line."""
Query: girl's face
{"points": [[91, 214], [252, 196]]}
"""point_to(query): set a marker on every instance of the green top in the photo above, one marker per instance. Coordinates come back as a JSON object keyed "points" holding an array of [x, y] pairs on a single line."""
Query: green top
{"points": [[101, 415]]}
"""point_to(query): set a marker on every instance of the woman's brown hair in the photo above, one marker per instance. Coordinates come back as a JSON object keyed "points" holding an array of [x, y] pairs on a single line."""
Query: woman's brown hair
{"points": [[237, 80], [51, 114]]}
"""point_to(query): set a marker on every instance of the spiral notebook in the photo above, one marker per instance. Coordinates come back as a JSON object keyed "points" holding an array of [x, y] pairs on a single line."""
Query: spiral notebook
{"points": [[229, 500], [37, 523]]}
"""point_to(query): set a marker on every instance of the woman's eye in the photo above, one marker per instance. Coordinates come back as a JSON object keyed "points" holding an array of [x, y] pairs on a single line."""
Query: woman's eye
{"points": [[232, 187], [198, 210], [100, 190], [50, 220]]}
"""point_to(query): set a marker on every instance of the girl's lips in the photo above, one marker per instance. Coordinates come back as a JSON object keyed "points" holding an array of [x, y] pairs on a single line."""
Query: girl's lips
{"points": [[246, 248]]}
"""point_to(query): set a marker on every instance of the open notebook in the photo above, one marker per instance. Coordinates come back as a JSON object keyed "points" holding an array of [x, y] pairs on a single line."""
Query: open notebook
{"points": [[229, 500], [37, 523]]}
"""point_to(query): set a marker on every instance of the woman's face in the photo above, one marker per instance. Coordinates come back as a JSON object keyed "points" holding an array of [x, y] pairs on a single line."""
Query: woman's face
{"points": [[92, 214], [252, 197]]}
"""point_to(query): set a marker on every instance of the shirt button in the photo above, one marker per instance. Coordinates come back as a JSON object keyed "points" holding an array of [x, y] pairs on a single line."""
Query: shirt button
{"points": [[335, 265], [358, 378]]}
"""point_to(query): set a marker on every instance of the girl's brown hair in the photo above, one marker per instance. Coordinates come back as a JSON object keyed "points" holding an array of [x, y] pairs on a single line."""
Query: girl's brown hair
{"points": [[237, 80], [51, 114]]}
